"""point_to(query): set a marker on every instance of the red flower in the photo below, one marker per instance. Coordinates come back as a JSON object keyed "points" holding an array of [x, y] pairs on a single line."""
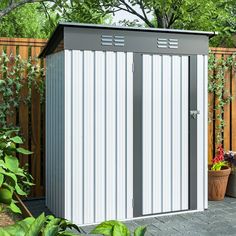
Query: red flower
{"points": [[219, 156]]}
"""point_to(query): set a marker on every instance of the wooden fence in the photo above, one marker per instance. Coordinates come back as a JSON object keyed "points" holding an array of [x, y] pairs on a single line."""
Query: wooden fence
{"points": [[31, 118], [229, 114]]}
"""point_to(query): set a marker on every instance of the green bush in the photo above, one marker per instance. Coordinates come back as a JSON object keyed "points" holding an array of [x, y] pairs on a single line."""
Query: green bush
{"points": [[13, 178], [52, 226], [42, 225]]}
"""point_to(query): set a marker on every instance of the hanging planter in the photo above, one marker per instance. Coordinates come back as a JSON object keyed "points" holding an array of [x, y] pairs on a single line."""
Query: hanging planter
{"points": [[218, 175]]}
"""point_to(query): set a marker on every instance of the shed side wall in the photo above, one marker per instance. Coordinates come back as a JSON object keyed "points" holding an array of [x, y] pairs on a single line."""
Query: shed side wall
{"points": [[55, 133]]}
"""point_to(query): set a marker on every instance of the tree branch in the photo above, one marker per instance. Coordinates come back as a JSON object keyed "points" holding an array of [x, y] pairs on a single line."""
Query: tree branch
{"points": [[132, 11], [143, 9], [13, 5]]}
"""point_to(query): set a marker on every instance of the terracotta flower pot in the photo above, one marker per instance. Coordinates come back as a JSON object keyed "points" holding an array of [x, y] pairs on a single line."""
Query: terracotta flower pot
{"points": [[217, 183]]}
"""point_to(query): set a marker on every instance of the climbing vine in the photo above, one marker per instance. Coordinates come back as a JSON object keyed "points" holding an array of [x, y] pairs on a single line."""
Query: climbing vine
{"points": [[16, 75], [221, 96]]}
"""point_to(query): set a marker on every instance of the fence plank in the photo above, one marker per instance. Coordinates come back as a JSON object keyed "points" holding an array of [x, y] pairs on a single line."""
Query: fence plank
{"points": [[24, 111], [36, 134], [227, 109], [217, 116], [210, 127], [233, 107], [11, 118]]}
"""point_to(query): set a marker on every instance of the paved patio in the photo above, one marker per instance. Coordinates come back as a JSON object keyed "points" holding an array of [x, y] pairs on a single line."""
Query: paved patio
{"points": [[219, 219]]}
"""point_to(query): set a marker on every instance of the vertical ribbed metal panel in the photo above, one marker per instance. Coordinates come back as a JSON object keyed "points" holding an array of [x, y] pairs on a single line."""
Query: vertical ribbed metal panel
{"points": [[205, 136], [100, 136], [165, 133], [200, 156], [67, 133], [55, 133], [77, 135], [202, 122], [185, 132], [101, 173]]}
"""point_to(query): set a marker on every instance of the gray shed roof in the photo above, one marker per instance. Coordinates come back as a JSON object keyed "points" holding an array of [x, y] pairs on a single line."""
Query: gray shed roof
{"points": [[58, 35]]}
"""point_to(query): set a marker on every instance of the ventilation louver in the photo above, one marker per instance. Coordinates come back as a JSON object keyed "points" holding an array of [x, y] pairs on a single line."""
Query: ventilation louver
{"points": [[167, 43], [109, 40]]}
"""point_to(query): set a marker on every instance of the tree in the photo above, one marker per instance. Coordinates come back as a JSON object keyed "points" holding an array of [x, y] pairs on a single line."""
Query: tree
{"points": [[27, 21], [210, 15], [8, 6]]}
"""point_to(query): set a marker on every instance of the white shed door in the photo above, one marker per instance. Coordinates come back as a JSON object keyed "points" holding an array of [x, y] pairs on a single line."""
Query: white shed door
{"points": [[165, 133], [102, 148]]}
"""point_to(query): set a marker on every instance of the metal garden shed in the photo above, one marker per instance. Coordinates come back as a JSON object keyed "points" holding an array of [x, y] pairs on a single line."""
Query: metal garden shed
{"points": [[126, 130]]}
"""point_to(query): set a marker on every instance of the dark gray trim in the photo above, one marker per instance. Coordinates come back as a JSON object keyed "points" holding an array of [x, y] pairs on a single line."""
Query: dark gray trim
{"points": [[72, 24], [192, 133], [137, 136], [145, 40]]}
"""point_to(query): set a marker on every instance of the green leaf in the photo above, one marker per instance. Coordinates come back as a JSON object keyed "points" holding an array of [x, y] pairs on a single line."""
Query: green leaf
{"points": [[19, 190], [105, 228], [51, 231], [24, 151], [11, 175], [140, 231], [120, 229], [16, 139], [20, 228], [1, 179], [111, 228], [36, 226], [3, 232], [12, 163], [16, 229], [15, 208]]}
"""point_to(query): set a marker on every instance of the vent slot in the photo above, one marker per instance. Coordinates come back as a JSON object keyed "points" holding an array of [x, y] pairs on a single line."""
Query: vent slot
{"points": [[173, 43], [162, 43], [106, 40], [119, 41], [109, 40], [167, 43]]}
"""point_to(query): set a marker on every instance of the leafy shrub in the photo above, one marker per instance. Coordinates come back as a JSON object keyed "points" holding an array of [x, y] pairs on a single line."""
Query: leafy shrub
{"points": [[116, 228], [52, 226], [15, 75], [42, 225], [13, 178]]}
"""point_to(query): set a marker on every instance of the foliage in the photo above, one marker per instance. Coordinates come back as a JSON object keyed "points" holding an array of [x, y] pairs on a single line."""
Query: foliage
{"points": [[210, 15], [52, 226], [116, 228], [15, 74], [41, 18], [85, 11], [13, 178], [25, 22], [42, 225], [218, 160], [216, 87]]}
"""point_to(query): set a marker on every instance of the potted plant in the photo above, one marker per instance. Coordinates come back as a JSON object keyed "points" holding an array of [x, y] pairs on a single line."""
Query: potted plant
{"points": [[218, 175], [230, 157]]}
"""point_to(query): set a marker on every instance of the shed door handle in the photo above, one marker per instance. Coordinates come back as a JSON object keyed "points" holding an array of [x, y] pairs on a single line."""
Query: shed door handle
{"points": [[194, 114]]}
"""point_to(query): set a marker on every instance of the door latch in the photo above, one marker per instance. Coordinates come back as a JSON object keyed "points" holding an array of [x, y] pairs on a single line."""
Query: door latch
{"points": [[194, 114]]}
